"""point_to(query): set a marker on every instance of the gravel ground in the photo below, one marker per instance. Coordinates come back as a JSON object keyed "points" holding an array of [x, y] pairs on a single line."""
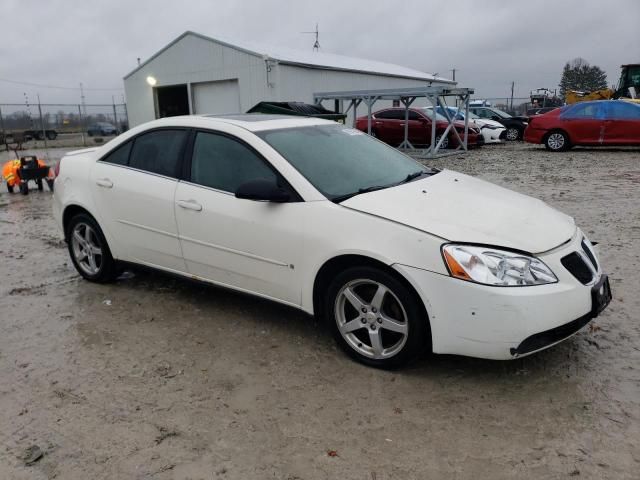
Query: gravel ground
{"points": [[154, 377]]}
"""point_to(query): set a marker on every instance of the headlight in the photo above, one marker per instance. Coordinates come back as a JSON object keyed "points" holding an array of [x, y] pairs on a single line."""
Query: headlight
{"points": [[525, 123], [491, 127], [495, 267]]}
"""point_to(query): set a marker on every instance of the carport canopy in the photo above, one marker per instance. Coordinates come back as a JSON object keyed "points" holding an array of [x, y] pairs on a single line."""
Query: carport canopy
{"points": [[435, 94]]}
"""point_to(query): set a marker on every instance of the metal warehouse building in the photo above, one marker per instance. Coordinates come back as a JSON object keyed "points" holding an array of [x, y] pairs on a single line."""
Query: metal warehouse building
{"points": [[198, 74]]}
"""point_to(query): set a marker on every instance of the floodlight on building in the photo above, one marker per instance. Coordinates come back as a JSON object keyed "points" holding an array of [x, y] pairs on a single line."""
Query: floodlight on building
{"points": [[151, 80]]}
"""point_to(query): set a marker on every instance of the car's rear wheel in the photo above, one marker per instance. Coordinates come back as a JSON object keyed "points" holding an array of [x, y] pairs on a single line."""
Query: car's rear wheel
{"points": [[557, 141], [513, 133], [89, 251], [375, 318]]}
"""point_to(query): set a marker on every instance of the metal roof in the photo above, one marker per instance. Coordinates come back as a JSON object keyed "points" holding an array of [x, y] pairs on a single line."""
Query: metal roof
{"points": [[309, 59]]}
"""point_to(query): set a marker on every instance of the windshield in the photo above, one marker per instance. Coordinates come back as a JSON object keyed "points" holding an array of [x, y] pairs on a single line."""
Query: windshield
{"points": [[341, 162], [454, 113], [501, 113]]}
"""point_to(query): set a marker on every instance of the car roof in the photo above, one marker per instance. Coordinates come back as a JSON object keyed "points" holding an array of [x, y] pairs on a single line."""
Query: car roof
{"points": [[250, 121]]}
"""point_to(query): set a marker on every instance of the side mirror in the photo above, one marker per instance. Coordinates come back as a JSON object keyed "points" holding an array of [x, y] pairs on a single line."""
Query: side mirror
{"points": [[263, 190]]}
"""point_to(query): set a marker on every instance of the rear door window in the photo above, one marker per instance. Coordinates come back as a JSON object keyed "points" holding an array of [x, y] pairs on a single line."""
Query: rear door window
{"points": [[119, 156], [390, 115], [584, 111], [158, 152]]}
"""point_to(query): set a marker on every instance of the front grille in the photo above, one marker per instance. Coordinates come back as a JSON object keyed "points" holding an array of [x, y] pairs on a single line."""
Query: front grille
{"points": [[544, 339], [576, 265]]}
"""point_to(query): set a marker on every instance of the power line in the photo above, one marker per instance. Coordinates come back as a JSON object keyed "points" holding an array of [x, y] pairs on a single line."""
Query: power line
{"points": [[40, 85]]}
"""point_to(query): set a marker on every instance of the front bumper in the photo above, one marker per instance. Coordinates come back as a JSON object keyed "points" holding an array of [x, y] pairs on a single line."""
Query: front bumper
{"points": [[503, 323], [493, 135]]}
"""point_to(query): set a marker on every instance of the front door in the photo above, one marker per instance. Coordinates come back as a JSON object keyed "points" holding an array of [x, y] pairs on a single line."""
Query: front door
{"points": [[249, 245], [134, 188], [622, 124]]}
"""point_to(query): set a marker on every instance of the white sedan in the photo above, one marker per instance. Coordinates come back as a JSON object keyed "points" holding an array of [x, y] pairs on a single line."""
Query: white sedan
{"points": [[492, 131], [398, 258]]}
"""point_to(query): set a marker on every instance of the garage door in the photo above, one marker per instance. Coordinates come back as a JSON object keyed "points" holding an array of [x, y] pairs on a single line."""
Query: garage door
{"points": [[216, 97]]}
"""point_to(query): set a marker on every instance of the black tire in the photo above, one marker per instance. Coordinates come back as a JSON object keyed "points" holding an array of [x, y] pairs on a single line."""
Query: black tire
{"points": [[39, 136], [40, 184], [513, 134], [108, 268], [24, 188], [557, 141], [10, 188], [52, 135], [398, 301]]}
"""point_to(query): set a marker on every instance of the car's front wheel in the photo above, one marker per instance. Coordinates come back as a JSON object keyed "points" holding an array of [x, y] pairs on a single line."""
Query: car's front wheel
{"points": [[375, 318], [89, 251], [513, 134], [557, 141]]}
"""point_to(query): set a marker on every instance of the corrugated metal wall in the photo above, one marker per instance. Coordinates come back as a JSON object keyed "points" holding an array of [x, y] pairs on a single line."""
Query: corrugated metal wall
{"points": [[193, 59]]}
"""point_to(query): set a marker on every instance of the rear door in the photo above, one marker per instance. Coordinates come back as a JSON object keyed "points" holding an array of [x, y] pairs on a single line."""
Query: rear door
{"points": [[585, 123], [389, 126], [622, 123], [249, 245], [133, 188]]}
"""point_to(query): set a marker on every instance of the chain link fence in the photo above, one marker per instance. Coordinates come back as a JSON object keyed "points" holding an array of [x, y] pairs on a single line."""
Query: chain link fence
{"points": [[515, 105], [52, 125]]}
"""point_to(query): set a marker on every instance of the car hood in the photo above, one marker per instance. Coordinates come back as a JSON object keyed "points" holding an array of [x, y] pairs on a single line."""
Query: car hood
{"points": [[486, 122], [460, 208]]}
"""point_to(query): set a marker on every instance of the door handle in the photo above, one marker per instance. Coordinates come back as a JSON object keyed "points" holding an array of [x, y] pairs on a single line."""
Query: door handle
{"points": [[189, 205], [104, 182]]}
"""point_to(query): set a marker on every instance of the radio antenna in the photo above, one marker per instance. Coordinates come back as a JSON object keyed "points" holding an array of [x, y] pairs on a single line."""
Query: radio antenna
{"points": [[316, 32]]}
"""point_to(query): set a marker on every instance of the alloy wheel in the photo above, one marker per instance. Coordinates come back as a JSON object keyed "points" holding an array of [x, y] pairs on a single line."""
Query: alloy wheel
{"points": [[513, 134], [86, 248], [556, 141], [371, 319]]}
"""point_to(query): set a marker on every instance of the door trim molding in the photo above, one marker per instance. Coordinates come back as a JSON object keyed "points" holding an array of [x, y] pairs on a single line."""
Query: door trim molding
{"points": [[234, 251]]}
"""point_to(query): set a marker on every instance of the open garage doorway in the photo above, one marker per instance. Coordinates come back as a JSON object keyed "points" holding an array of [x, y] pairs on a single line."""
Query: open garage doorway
{"points": [[172, 101]]}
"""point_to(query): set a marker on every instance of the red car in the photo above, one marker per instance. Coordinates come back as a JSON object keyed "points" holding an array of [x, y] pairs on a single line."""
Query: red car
{"points": [[603, 122], [388, 126]]}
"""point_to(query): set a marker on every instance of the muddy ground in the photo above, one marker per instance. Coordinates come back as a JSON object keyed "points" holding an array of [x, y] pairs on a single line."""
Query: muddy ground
{"points": [[154, 377]]}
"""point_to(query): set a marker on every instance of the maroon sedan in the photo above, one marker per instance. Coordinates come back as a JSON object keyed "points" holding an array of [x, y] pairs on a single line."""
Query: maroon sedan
{"points": [[603, 122], [388, 126]]}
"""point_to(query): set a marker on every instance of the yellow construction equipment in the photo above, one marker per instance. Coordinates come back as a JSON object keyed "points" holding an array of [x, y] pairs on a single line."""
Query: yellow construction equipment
{"points": [[628, 88]]}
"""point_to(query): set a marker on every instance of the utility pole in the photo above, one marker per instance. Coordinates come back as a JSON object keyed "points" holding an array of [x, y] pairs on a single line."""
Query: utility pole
{"points": [[512, 86], [84, 106]]}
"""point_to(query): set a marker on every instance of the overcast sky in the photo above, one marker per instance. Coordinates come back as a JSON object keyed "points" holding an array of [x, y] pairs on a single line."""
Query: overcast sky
{"points": [[489, 42]]}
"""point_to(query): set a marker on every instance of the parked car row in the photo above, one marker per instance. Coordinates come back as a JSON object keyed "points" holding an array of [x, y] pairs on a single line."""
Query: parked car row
{"points": [[388, 125]]}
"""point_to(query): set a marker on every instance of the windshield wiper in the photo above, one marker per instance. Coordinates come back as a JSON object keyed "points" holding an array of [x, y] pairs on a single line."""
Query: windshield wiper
{"points": [[413, 176], [373, 188]]}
